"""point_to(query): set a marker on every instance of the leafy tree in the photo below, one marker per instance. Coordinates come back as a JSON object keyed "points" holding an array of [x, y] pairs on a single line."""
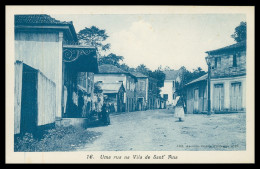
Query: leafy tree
{"points": [[125, 67], [159, 76], [240, 32], [95, 37], [167, 68], [143, 69], [112, 59]]}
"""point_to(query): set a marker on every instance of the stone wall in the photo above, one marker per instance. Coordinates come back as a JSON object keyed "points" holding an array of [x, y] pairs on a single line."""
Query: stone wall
{"points": [[225, 66]]}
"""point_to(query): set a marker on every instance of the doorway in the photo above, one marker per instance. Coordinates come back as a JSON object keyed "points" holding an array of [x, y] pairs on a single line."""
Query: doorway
{"points": [[140, 104], [236, 96], [196, 101], [29, 107], [218, 97]]}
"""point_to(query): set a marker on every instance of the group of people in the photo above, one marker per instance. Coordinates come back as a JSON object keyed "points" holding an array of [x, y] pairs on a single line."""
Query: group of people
{"points": [[76, 103]]}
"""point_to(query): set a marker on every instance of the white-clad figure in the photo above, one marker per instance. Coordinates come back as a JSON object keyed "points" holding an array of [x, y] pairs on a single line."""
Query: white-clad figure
{"points": [[179, 113], [65, 98], [75, 97]]}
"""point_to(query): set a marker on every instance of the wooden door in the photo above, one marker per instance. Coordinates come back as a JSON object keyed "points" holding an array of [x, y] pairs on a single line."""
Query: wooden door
{"points": [[29, 100], [196, 100], [140, 104], [236, 96], [218, 97]]}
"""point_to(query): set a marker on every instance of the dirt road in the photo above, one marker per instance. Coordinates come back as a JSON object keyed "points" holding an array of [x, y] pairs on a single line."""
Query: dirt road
{"points": [[158, 130]]}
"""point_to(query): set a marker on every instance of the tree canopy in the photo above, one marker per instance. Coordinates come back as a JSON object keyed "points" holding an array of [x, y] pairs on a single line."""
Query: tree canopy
{"points": [[159, 76], [240, 32], [95, 37], [187, 76], [143, 69], [112, 59]]}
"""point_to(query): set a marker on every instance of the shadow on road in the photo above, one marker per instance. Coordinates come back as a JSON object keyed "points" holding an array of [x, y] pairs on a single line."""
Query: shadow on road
{"points": [[96, 123]]}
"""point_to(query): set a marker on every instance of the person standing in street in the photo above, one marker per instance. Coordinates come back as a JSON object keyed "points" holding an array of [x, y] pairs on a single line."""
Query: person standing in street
{"points": [[80, 104], [179, 111], [65, 97], [105, 114]]}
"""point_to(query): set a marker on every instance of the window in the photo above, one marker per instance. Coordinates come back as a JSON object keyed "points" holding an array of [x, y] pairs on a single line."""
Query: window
{"points": [[165, 96], [81, 79], [177, 84], [173, 97], [216, 63], [173, 84], [234, 60], [129, 85], [142, 86]]}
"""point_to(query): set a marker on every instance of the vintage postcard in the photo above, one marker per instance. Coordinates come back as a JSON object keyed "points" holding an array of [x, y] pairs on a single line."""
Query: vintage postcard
{"points": [[130, 84]]}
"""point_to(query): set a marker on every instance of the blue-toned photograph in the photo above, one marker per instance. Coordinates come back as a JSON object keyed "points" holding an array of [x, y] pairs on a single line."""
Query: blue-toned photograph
{"points": [[130, 82]]}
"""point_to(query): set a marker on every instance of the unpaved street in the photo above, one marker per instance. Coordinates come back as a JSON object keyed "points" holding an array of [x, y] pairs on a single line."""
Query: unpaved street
{"points": [[158, 130]]}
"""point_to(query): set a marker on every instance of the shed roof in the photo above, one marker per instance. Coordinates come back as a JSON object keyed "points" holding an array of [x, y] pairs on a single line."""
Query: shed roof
{"points": [[236, 46], [201, 78], [111, 87]]}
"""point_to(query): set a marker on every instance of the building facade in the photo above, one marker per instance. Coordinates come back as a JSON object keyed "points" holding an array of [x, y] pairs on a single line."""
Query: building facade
{"points": [[41, 60], [112, 74], [196, 95], [141, 91], [228, 78], [172, 79]]}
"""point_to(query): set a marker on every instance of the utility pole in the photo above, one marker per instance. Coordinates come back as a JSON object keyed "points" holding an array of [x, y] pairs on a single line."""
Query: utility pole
{"points": [[209, 74]]}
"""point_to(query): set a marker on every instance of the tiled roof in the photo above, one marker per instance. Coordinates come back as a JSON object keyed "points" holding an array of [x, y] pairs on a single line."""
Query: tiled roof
{"points": [[240, 45], [138, 74], [107, 68], [43, 20], [37, 19], [204, 77], [171, 74], [111, 87]]}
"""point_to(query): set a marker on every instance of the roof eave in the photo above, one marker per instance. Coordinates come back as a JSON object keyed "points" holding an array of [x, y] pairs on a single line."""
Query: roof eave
{"points": [[68, 29]]}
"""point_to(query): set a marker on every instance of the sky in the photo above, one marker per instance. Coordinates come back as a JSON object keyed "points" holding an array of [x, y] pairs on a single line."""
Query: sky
{"points": [[172, 40]]}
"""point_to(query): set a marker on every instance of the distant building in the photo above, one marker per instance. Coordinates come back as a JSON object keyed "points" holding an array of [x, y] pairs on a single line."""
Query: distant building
{"points": [[172, 79], [141, 91], [228, 78], [196, 95], [44, 64], [112, 74]]}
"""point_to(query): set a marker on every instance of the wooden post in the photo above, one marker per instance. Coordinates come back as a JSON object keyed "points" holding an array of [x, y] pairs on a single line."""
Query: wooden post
{"points": [[209, 72], [59, 84]]}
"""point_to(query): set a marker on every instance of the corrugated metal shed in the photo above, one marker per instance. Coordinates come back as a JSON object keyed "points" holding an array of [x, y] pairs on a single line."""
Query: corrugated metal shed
{"points": [[111, 87], [204, 77]]}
